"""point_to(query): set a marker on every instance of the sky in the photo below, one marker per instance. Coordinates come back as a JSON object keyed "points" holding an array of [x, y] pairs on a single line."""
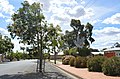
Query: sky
{"points": [[104, 15]]}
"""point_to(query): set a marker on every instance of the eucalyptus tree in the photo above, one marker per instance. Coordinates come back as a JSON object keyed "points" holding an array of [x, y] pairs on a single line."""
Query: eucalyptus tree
{"points": [[81, 36], [29, 26], [55, 41], [116, 44], [68, 38], [82, 31]]}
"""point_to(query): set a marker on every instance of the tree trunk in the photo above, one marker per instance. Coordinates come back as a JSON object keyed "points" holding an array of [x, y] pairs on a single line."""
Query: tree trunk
{"points": [[55, 55], [40, 52]]}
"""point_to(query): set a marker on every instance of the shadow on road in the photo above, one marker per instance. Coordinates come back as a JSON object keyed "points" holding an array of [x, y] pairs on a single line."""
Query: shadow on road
{"points": [[46, 75]]}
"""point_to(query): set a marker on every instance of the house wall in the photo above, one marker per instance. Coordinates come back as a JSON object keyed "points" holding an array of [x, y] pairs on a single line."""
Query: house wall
{"points": [[117, 53], [109, 54], [112, 53]]}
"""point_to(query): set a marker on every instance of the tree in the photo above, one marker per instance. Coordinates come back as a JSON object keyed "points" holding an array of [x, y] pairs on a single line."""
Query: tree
{"points": [[55, 41], [6, 45], [29, 26], [82, 34], [68, 38], [116, 44], [22, 48]]}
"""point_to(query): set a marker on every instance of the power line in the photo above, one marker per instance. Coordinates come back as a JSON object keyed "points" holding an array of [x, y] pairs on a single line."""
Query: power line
{"points": [[86, 5], [92, 3]]}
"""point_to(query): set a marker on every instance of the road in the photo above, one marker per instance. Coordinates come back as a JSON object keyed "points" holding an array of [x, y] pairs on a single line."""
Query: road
{"points": [[16, 67], [26, 69]]}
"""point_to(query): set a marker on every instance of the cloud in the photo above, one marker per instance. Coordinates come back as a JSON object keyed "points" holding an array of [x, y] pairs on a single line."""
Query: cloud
{"points": [[95, 21], [4, 31], [77, 11], [115, 19], [1, 15], [62, 11], [46, 3], [82, 2], [106, 37], [6, 8]]}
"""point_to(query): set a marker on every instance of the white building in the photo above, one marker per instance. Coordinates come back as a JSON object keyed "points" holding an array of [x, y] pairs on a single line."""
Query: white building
{"points": [[112, 52]]}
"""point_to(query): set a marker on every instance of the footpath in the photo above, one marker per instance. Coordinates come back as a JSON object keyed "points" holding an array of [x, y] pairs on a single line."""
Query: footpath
{"points": [[83, 72]]}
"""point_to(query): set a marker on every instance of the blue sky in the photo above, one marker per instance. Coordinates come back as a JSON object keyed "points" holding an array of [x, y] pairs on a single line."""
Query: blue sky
{"points": [[104, 15]]}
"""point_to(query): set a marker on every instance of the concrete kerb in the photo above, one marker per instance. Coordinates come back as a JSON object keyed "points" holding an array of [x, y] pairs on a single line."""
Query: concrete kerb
{"points": [[76, 77]]}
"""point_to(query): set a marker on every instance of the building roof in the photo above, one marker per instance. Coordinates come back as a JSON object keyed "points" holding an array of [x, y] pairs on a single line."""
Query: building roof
{"points": [[113, 49], [97, 53]]}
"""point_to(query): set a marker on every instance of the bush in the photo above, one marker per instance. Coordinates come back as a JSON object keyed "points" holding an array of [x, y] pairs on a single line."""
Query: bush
{"points": [[63, 58], [71, 62], [66, 52], [84, 52], [95, 63], [65, 62], [73, 51], [66, 59], [80, 62], [111, 66]]}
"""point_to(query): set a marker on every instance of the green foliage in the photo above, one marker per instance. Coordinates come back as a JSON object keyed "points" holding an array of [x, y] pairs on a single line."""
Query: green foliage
{"points": [[83, 31], [77, 62], [10, 56], [5, 44], [17, 55], [80, 62], [46, 55], [73, 51], [71, 62], [66, 52], [111, 66], [84, 52], [63, 58], [95, 63], [66, 60], [68, 39]]}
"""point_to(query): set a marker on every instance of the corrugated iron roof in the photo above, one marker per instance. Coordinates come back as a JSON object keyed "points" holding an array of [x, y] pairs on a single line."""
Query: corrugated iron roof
{"points": [[113, 49], [97, 53]]}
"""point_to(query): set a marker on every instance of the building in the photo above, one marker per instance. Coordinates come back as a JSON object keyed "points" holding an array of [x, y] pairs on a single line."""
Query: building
{"points": [[112, 52], [97, 53]]}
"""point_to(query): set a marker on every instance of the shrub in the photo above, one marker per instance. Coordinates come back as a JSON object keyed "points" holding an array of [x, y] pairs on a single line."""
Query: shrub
{"points": [[63, 58], [83, 62], [95, 63], [77, 62], [80, 62], [73, 51], [111, 66], [71, 62], [66, 59], [65, 62], [84, 52], [66, 52]]}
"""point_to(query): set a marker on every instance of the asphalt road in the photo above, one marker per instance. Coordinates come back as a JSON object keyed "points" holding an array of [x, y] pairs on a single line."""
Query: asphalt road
{"points": [[16, 67], [26, 69]]}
